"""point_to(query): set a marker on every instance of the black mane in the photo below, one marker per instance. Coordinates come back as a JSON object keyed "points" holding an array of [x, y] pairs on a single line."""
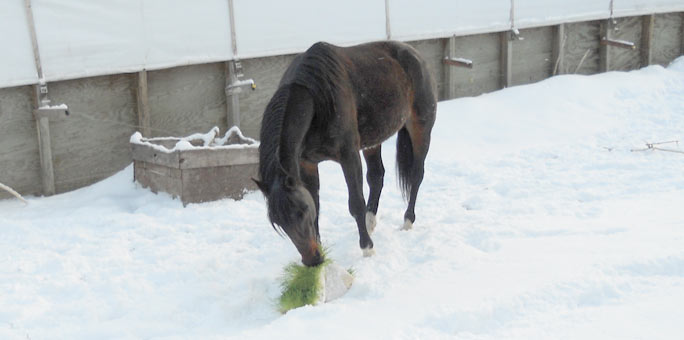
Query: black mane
{"points": [[319, 70], [271, 128]]}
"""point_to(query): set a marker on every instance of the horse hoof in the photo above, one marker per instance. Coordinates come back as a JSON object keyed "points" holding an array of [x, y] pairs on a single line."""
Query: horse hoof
{"points": [[408, 225], [370, 222], [368, 252]]}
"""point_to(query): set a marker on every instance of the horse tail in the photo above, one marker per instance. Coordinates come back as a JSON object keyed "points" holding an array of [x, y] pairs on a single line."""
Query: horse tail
{"points": [[404, 162]]}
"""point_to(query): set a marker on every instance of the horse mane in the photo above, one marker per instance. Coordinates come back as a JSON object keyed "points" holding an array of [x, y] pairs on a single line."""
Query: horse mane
{"points": [[318, 70], [271, 129]]}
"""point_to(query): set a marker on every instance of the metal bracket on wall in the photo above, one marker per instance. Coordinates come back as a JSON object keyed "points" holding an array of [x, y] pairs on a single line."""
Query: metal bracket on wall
{"points": [[51, 112], [235, 83], [458, 62], [515, 35], [618, 43]]}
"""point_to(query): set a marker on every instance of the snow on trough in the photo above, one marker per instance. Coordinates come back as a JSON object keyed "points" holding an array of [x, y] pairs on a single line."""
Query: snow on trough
{"points": [[535, 220], [233, 139]]}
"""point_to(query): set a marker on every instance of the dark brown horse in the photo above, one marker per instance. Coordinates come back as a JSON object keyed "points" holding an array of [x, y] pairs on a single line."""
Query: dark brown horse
{"points": [[332, 102]]}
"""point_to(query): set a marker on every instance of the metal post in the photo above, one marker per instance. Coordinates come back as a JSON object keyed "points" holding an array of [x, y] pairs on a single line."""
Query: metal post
{"points": [[388, 28], [506, 62], [681, 35], [45, 154], [449, 71], [143, 105], [558, 50], [42, 121], [647, 40], [232, 93], [34, 43], [604, 51], [506, 53]]}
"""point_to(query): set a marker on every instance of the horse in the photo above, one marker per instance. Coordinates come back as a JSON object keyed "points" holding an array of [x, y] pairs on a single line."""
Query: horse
{"points": [[331, 103]]}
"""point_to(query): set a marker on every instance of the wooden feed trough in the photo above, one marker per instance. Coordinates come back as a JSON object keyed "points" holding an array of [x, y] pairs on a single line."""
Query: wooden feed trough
{"points": [[197, 168]]}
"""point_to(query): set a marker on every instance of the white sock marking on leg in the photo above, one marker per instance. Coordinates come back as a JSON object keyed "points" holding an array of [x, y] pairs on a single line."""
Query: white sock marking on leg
{"points": [[370, 222], [408, 225]]}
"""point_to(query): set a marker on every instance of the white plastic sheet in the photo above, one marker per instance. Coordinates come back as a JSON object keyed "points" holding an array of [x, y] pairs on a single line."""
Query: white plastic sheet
{"points": [[271, 27], [413, 20], [181, 32], [637, 7], [81, 38], [17, 66], [86, 38], [531, 13]]}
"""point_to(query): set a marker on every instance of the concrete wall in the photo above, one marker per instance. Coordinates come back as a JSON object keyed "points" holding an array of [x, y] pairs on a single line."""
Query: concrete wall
{"points": [[433, 52], [484, 50], [92, 143], [187, 99], [669, 37], [581, 48], [19, 159], [532, 60], [623, 59], [266, 73]]}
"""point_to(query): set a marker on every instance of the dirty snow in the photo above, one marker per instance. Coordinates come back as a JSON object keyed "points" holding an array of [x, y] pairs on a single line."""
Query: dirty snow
{"points": [[535, 221]]}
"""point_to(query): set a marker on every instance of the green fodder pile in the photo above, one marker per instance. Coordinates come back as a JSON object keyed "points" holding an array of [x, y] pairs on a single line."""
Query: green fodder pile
{"points": [[300, 286]]}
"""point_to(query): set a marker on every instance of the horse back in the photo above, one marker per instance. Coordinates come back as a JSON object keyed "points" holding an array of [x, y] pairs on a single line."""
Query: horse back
{"points": [[391, 83], [371, 89]]}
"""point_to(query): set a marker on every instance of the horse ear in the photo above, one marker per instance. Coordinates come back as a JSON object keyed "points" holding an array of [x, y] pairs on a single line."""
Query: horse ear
{"points": [[262, 186]]}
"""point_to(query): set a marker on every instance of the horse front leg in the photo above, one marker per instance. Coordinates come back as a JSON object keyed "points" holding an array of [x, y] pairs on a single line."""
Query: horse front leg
{"points": [[309, 174], [375, 177], [353, 175]]}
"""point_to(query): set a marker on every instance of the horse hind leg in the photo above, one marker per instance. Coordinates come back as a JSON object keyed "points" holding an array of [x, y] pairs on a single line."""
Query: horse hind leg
{"points": [[413, 142], [375, 178], [413, 139]]}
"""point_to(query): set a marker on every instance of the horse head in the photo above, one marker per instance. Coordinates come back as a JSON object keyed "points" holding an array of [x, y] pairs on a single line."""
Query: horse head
{"points": [[291, 207]]}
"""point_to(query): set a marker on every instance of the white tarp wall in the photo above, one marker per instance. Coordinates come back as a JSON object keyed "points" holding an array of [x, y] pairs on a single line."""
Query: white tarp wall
{"points": [[81, 38], [532, 13], [413, 20], [16, 52], [272, 27], [637, 7]]}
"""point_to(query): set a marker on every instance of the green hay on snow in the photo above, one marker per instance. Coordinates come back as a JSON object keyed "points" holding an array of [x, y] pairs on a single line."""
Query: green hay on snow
{"points": [[300, 286]]}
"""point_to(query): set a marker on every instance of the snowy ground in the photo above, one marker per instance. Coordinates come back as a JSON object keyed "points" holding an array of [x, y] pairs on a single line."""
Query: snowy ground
{"points": [[535, 221]]}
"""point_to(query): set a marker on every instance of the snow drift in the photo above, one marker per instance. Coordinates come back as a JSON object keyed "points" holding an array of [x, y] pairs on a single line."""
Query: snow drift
{"points": [[535, 220]]}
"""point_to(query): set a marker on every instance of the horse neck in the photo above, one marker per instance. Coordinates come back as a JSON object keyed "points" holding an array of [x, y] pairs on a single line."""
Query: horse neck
{"points": [[296, 123]]}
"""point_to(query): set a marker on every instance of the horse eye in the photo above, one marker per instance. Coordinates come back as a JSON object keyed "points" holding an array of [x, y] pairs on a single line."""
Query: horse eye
{"points": [[300, 212]]}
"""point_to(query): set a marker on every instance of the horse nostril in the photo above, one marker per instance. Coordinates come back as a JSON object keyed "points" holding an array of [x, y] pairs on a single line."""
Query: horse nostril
{"points": [[314, 260], [318, 259]]}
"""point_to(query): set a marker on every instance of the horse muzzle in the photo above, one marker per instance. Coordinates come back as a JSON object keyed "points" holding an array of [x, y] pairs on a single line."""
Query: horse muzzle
{"points": [[312, 256]]}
